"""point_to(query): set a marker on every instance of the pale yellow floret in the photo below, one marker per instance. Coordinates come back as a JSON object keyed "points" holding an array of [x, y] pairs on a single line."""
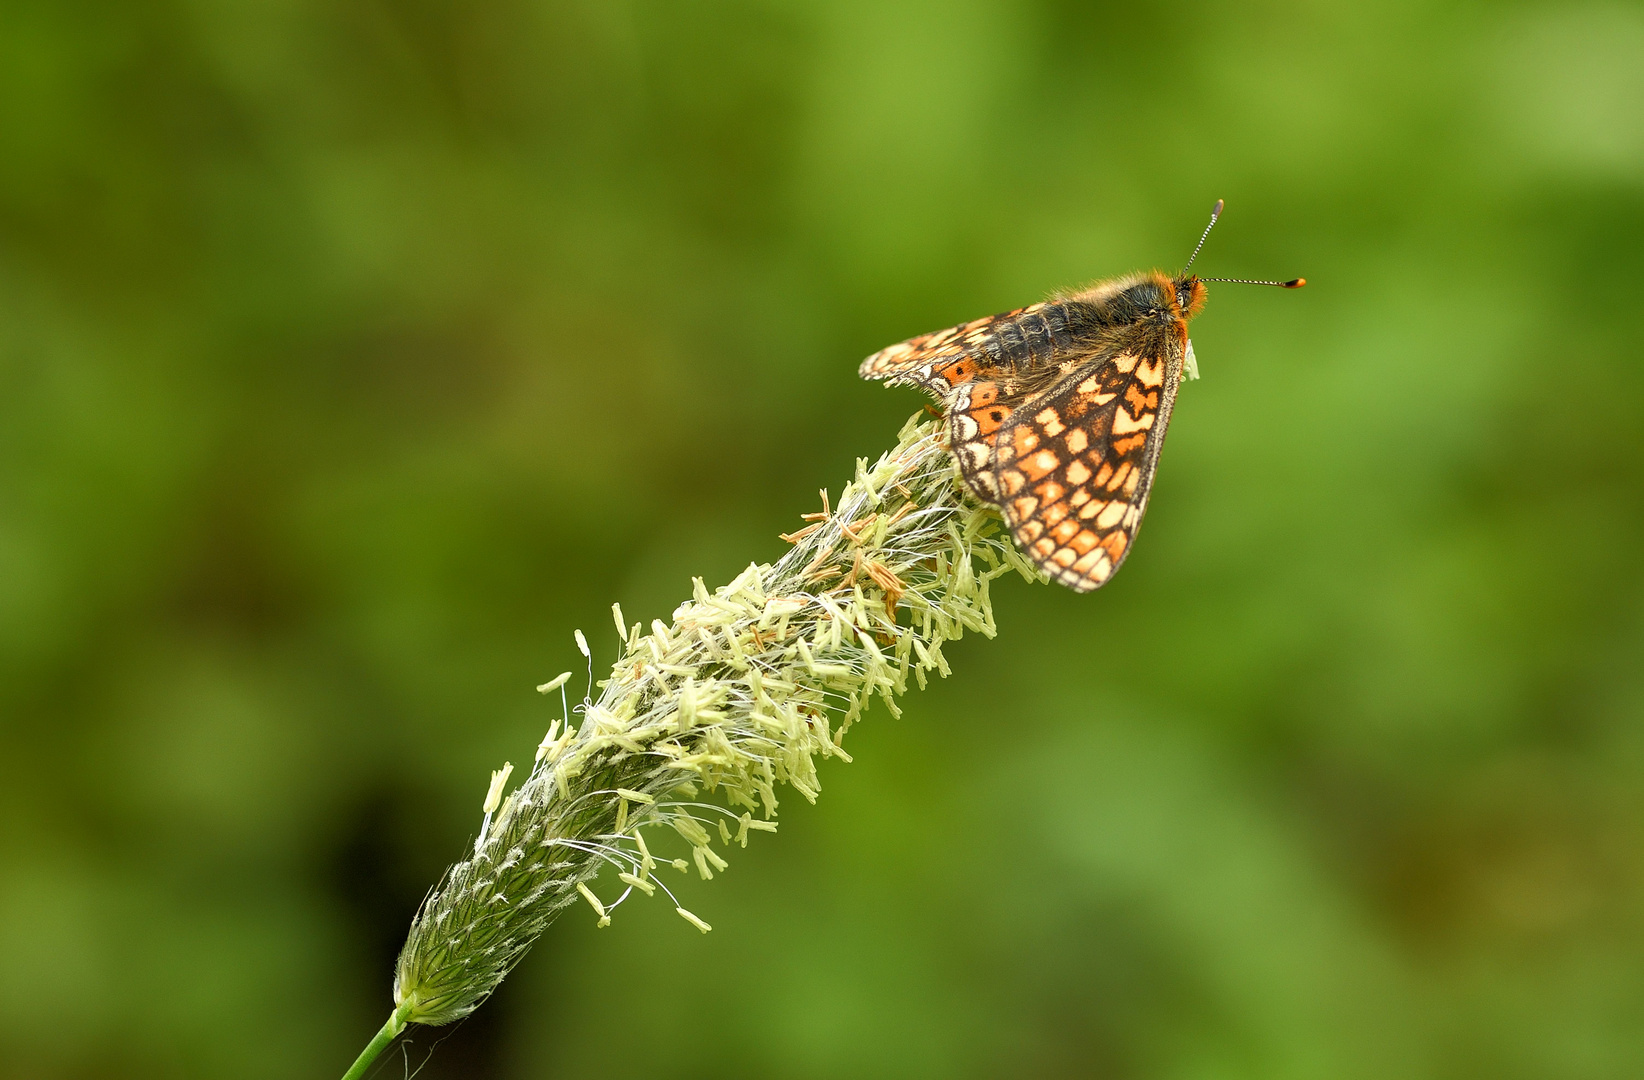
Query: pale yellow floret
{"points": [[693, 920], [555, 683], [645, 860], [690, 829], [499, 780], [641, 884], [547, 743], [687, 705], [593, 901]]}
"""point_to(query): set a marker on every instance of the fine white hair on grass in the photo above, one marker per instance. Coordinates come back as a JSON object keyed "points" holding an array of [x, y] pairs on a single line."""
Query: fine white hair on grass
{"points": [[743, 692]]}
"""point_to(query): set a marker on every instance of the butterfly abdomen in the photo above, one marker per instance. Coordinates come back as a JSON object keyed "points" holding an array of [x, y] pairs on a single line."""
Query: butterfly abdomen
{"points": [[1036, 338]]}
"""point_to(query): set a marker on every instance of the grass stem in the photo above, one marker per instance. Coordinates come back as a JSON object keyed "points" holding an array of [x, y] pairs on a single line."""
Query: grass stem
{"points": [[396, 1024]]}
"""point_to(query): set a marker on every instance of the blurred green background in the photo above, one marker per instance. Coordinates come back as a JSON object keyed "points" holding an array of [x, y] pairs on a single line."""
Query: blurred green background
{"points": [[352, 353]]}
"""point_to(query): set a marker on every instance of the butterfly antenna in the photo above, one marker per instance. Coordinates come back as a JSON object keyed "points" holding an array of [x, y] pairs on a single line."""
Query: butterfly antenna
{"points": [[1293, 283], [1215, 212]]}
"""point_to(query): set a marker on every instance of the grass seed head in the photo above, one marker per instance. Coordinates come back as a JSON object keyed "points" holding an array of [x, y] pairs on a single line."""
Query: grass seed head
{"points": [[743, 691]]}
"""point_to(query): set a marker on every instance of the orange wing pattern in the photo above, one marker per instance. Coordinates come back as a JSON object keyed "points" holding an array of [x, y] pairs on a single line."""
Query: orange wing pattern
{"points": [[1072, 467], [936, 361]]}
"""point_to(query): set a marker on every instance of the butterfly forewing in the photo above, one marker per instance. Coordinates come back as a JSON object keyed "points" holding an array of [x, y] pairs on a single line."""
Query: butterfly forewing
{"points": [[933, 361], [1072, 467]]}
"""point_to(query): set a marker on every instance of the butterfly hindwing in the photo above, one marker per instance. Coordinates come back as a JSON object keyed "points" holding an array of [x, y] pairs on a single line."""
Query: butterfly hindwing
{"points": [[976, 411], [1072, 466]]}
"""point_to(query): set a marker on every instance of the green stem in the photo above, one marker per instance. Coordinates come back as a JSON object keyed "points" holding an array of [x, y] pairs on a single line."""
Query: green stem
{"points": [[395, 1025]]}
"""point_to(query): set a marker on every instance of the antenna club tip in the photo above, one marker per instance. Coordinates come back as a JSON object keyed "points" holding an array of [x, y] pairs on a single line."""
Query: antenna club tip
{"points": [[1295, 283], [1216, 211]]}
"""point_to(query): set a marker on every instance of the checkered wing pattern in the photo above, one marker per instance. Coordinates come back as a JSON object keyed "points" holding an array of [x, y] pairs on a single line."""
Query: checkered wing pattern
{"points": [[976, 410], [1071, 467], [937, 361]]}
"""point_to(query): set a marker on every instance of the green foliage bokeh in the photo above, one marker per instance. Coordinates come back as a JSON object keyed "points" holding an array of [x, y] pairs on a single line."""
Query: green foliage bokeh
{"points": [[353, 353]]}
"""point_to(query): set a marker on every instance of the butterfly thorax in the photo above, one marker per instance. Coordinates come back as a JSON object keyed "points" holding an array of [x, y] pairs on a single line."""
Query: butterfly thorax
{"points": [[1151, 299]]}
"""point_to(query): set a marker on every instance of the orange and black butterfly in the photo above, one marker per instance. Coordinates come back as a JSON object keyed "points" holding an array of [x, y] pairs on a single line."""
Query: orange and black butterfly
{"points": [[1057, 412]]}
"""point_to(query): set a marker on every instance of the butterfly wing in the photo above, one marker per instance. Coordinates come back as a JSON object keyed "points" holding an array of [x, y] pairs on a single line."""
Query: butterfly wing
{"points": [[937, 361], [1072, 467]]}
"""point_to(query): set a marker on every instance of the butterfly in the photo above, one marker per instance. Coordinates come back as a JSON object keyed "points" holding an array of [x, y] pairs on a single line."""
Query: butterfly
{"points": [[1056, 413]]}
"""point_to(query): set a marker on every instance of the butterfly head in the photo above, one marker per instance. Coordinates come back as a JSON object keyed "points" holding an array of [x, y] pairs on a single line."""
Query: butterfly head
{"points": [[1190, 295], [1149, 296]]}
